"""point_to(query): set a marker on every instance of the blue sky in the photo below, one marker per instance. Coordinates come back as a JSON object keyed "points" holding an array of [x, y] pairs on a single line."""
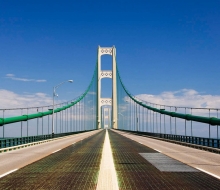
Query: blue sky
{"points": [[161, 45]]}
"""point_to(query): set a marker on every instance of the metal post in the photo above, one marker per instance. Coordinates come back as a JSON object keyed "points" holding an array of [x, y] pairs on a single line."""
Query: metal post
{"points": [[54, 94], [153, 121], [217, 126], [170, 124], [80, 118], [92, 118], [185, 123], [67, 121], [48, 122], [164, 125], [142, 113], [150, 122], [175, 122], [132, 116], [191, 125], [209, 126], [71, 121], [3, 127], [147, 122], [156, 124], [42, 124], [37, 123], [139, 125], [77, 116], [160, 123], [101, 126], [85, 114], [60, 123], [27, 122], [56, 123], [21, 123], [136, 117], [80, 115]]}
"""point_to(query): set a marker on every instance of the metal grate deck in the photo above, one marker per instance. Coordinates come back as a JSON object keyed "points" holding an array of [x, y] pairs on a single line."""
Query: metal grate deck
{"points": [[135, 172], [75, 167], [166, 164]]}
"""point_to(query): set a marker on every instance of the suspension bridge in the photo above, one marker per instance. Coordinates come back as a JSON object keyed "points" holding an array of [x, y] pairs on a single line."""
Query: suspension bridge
{"points": [[119, 142]]}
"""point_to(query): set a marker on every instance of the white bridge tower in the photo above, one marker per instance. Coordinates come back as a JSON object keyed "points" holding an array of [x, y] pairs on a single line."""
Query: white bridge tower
{"points": [[107, 74]]}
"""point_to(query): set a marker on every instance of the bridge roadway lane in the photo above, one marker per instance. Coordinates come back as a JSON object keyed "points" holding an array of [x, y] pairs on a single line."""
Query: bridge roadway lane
{"points": [[19, 158], [141, 167], [205, 161], [74, 167], [138, 167]]}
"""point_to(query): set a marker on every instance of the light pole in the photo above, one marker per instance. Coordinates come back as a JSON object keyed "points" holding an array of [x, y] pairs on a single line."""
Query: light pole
{"points": [[54, 94]]}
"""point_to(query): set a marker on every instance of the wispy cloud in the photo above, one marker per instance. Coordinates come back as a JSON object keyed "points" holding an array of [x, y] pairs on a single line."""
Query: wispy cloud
{"points": [[12, 77], [184, 98], [9, 99]]}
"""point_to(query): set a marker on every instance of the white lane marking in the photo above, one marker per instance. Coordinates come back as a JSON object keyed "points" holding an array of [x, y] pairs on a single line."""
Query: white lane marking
{"points": [[107, 175], [157, 150], [208, 173], [56, 150], [8, 173]]}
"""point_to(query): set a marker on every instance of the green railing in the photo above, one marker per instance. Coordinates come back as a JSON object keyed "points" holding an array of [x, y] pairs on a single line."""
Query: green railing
{"points": [[189, 117], [14, 119]]}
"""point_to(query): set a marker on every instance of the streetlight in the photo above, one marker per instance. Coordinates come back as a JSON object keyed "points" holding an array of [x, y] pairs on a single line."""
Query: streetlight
{"points": [[54, 94]]}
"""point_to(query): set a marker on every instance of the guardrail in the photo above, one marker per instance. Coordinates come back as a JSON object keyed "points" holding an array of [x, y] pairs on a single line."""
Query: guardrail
{"points": [[208, 144], [188, 117], [4, 121], [14, 119], [10, 143]]}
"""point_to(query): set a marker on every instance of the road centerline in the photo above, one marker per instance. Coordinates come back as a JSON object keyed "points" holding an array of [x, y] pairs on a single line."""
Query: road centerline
{"points": [[107, 175]]}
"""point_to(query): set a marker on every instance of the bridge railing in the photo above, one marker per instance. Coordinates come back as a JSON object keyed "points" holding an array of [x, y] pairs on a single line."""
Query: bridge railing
{"points": [[21, 125], [167, 121]]}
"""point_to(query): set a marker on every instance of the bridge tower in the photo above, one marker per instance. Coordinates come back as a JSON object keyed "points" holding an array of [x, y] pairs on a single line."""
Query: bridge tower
{"points": [[107, 74]]}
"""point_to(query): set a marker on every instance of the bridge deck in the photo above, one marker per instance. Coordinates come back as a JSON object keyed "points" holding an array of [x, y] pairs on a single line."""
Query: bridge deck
{"points": [[203, 160], [137, 166], [135, 172], [74, 167]]}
